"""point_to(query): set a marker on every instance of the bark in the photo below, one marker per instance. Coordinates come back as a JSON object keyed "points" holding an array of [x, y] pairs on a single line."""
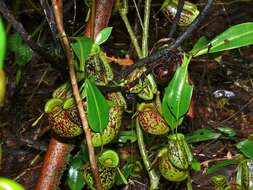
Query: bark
{"points": [[53, 166], [103, 14]]}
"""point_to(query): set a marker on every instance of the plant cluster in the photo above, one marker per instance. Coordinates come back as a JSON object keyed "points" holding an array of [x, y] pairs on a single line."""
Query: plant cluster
{"points": [[164, 95]]}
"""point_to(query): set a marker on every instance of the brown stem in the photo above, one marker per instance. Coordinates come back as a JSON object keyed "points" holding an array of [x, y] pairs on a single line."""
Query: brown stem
{"points": [[55, 158], [103, 14], [93, 17], [57, 7], [53, 166]]}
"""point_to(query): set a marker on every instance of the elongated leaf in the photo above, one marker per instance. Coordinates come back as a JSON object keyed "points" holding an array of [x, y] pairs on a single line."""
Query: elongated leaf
{"points": [[169, 116], [236, 36], [97, 107], [227, 131], [176, 100], [200, 44], [82, 48], [221, 165], [75, 177], [103, 35], [2, 44], [202, 135], [246, 147]]}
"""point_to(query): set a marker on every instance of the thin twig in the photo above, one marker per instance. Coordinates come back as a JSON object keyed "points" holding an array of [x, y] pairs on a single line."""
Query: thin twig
{"points": [[138, 13], [173, 28], [54, 59], [193, 26], [233, 115], [154, 179], [146, 28], [166, 52], [57, 7], [154, 57], [50, 18], [123, 10], [93, 17]]}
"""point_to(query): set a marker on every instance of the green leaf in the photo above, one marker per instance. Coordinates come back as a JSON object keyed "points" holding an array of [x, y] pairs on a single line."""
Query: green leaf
{"points": [[126, 173], [82, 90], [200, 44], [227, 131], [196, 165], [14, 41], [75, 177], [2, 44], [236, 36], [246, 147], [8, 184], [103, 35], [97, 107], [23, 53], [177, 97], [201, 135], [221, 165], [83, 154], [125, 136], [82, 48]]}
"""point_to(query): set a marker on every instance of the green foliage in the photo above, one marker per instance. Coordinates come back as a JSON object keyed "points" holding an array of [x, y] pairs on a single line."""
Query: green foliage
{"points": [[220, 165], [8, 184], [23, 53], [75, 172], [177, 97], [97, 107], [227, 131], [196, 165], [103, 35], [246, 147], [202, 135], [75, 177], [236, 36], [125, 136], [199, 45], [82, 48], [2, 44]]}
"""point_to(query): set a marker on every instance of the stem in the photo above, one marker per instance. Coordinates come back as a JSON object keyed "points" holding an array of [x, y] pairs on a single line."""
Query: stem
{"points": [[153, 177], [193, 26], [103, 14], [93, 17], [166, 53], [53, 166], [123, 14], [146, 28], [189, 183], [57, 7], [47, 9], [173, 28]]}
